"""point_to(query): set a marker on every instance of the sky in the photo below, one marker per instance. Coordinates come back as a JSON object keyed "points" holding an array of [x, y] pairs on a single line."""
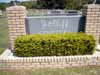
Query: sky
{"points": [[11, 0]]}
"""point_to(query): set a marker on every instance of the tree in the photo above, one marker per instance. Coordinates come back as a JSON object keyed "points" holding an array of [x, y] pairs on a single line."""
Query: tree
{"points": [[27, 4], [3, 6], [76, 4], [61, 4], [51, 4]]}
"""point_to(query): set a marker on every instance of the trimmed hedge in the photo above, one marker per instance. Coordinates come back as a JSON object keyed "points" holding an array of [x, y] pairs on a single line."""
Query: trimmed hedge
{"points": [[54, 45]]}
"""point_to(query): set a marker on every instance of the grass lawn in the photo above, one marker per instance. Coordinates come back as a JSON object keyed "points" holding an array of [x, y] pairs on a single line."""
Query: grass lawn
{"points": [[3, 34], [92, 70], [1, 50]]}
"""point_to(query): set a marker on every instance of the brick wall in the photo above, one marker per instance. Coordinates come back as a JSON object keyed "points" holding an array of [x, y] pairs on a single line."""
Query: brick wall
{"points": [[16, 22], [49, 62], [92, 13]]}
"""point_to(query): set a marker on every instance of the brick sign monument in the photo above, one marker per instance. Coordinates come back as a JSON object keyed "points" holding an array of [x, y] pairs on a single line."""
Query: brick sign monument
{"points": [[18, 26]]}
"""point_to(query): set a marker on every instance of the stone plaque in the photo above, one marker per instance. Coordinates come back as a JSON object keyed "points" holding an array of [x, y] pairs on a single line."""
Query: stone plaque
{"points": [[53, 24]]}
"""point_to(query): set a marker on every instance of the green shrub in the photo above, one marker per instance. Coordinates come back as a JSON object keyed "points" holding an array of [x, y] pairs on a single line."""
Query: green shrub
{"points": [[54, 44]]}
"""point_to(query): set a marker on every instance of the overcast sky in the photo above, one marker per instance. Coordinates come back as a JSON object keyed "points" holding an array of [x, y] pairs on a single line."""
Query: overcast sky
{"points": [[11, 0]]}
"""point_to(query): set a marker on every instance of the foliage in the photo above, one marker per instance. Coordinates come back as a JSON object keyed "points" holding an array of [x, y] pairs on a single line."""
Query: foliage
{"points": [[75, 4], [50, 4], [29, 4], [62, 4], [3, 6], [54, 44]]}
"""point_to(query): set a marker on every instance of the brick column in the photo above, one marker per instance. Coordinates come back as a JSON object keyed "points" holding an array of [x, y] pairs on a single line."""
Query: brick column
{"points": [[92, 12], [16, 22]]}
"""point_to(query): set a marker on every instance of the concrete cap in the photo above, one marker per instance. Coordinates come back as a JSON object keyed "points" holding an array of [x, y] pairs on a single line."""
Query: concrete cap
{"points": [[92, 6]]}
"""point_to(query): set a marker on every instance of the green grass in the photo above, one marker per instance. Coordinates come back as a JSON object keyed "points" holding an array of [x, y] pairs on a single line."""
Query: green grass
{"points": [[1, 50], [92, 70], [3, 34]]}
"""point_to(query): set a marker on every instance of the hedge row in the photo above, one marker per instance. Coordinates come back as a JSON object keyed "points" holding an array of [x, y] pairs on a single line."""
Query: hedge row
{"points": [[54, 45]]}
